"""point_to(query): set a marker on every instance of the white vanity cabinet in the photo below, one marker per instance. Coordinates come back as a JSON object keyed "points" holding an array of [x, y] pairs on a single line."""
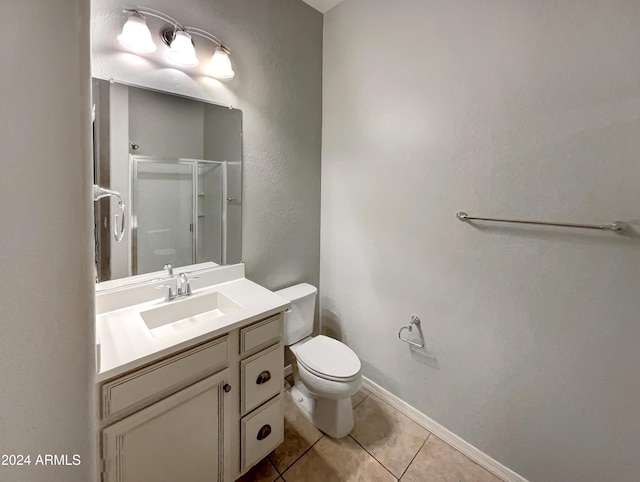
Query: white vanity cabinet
{"points": [[207, 413], [181, 437]]}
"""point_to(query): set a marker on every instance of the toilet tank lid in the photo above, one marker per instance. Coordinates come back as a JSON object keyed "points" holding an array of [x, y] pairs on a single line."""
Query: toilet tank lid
{"points": [[297, 292]]}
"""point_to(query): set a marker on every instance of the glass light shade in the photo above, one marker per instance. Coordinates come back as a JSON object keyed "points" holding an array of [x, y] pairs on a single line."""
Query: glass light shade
{"points": [[182, 50], [220, 66], [136, 35]]}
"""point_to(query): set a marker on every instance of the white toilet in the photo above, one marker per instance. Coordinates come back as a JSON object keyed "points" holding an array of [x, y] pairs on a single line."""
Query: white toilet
{"points": [[327, 372]]}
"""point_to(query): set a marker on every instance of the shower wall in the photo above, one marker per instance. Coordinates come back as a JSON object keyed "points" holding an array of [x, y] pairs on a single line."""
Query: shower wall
{"points": [[499, 108], [163, 197], [179, 212]]}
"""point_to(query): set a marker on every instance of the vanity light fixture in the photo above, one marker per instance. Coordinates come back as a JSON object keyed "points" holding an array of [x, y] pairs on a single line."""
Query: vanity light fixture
{"points": [[182, 51], [220, 66], [136, 36]]}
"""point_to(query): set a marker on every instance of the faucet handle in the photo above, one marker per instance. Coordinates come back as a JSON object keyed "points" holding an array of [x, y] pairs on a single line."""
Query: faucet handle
{"points": [[169, 269], [187, 281], [169, 295]]}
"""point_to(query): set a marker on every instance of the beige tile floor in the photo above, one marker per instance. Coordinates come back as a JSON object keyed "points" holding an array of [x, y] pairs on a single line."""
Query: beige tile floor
{"points": [[384, 445]]}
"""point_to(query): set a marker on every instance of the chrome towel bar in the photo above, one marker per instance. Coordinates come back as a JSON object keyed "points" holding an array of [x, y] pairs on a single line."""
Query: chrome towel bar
{"points": [[99, 193], [616, 227]]}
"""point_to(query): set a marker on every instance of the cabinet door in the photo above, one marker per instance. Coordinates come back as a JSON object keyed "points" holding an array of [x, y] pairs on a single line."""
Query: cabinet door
{"points": [[180, 438]]}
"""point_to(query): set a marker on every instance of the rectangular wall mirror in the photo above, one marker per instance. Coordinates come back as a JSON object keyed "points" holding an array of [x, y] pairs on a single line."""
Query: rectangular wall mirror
{"points": [[177, 163]]}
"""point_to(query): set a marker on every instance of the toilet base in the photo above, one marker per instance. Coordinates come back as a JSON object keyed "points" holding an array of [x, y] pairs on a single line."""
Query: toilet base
{"points": [[333, 417]]}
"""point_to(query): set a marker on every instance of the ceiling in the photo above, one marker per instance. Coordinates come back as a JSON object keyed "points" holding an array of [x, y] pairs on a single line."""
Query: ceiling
{"points": [[323, 5]]}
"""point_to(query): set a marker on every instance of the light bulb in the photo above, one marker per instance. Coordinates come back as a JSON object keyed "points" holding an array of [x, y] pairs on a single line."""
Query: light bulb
{"points": [[220, 66], [182, 50], [136, 35]]}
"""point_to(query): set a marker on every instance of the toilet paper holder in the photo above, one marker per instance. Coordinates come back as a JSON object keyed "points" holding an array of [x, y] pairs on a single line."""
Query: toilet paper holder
{"points": [[415, 321]]}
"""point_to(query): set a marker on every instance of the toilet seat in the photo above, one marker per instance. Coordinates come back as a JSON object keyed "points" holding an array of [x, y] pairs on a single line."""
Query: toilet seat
{"points": [[328, 358]]}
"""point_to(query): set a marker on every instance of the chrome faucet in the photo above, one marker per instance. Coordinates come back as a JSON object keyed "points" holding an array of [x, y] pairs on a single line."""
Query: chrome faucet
{"points": [[183, 285]]}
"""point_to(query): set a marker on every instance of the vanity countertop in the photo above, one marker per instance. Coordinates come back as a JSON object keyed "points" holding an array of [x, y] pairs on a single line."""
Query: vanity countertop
{"points": [[125, 342]]}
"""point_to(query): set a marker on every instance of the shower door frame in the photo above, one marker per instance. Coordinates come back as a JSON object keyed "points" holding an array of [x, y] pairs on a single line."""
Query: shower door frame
{"points": [[194, 163]]}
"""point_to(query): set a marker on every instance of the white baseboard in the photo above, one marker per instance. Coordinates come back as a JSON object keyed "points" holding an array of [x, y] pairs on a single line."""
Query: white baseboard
{"points": [[441, 432]]}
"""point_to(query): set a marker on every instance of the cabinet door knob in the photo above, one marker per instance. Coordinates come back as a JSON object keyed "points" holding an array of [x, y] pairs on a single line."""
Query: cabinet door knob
{"points": [[226, 387], [264, 377], [264, 432]]}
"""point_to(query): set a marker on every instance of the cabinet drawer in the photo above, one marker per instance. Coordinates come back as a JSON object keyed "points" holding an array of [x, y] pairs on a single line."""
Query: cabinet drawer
{"points": [[260, 334], [262, 377], [165, 377], [262, 431]]}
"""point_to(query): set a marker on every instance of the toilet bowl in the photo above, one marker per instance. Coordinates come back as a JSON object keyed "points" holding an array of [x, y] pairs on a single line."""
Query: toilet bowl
{"points": [[326, 372]]}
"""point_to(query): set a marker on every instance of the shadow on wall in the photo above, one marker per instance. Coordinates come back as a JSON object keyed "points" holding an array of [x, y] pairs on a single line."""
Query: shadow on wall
{"points": [[424, 356], [371, 372], [331, 326]]}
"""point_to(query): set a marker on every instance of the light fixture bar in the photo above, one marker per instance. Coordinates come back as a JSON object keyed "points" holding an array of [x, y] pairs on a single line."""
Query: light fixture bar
{"points": [[154, 13], [220, 64], [207, 35]]}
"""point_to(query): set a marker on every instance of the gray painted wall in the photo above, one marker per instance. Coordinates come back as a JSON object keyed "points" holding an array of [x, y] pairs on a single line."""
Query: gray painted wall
{"points": [[276, 50], [513, 109], [46, 250], [181, 135]]}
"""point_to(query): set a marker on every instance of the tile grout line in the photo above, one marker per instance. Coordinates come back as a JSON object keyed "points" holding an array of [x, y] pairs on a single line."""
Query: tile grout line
{"points": [[497, 469], [416, 454], [274, 466], [373, 457], [299, 457], [363, 399], [369, 392], [281, 474], [469, 458], [398, 411]]}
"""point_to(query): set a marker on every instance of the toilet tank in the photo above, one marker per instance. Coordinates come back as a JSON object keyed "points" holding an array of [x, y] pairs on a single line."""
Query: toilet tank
{"points": [[298, 323]]}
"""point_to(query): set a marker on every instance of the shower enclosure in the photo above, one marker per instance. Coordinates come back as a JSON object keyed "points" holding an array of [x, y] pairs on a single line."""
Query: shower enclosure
{"points": [[178, 212]]}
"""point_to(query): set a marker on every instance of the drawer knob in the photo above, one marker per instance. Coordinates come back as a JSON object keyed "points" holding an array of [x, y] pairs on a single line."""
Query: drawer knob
{"points": [[264, 432], [226, 387], [264, 377]]}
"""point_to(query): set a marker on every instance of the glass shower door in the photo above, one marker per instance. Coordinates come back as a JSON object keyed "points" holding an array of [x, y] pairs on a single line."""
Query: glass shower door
{"points": [[163, 195], [211, 224]]}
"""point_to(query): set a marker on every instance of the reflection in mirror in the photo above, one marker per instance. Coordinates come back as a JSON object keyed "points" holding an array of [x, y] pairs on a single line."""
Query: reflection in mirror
{"points": [[178, 164]]}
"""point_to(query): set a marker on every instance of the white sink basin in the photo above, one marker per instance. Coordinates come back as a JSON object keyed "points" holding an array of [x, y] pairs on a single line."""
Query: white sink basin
{"points": [[189, 311]]}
